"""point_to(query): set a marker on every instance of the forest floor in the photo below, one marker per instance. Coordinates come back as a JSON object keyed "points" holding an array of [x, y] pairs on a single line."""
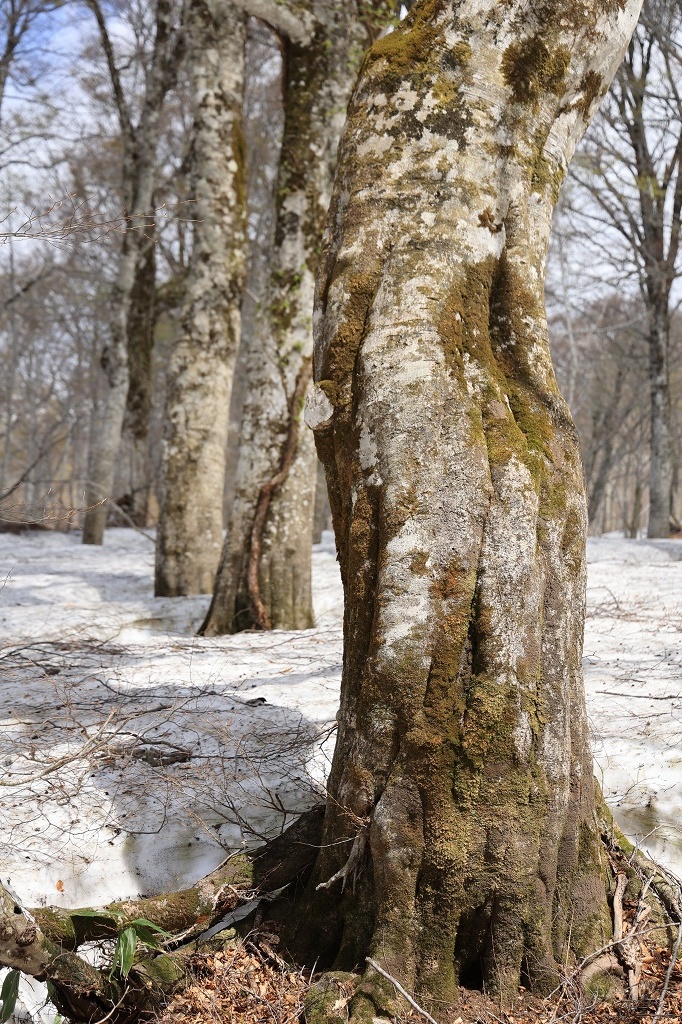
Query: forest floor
{"points": [[136, 755], [249, 983]]}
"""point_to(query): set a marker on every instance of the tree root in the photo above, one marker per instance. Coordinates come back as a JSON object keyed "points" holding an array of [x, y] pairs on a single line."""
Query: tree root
{"points": [[618, 966], [611, 972], [43, 944]]}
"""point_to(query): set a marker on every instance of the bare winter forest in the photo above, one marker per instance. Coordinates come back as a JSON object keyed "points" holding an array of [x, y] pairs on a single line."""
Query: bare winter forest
{"points": [[340, 511]]}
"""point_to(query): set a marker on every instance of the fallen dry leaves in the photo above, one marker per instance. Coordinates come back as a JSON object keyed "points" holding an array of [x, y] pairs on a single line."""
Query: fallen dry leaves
{"points": [[246, 983], [249, 983]]}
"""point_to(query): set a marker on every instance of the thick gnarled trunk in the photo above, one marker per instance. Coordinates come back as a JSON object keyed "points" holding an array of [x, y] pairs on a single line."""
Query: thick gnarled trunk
{"points": [[462, 778], [277, 590], [190, 529]]}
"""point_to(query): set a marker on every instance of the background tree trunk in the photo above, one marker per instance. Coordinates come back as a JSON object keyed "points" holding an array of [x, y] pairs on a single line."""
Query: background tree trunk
{"points": [[138, 179], [631, 169], [108, 420], [661, 464], [190, 534], [461, 796], [322, 516], [319, 77], [133, 481]]}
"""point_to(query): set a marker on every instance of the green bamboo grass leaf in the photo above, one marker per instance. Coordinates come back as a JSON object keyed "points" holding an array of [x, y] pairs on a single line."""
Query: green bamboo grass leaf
{"points": [[148, 937], [148, 924], [124, 952], [8, 996]]}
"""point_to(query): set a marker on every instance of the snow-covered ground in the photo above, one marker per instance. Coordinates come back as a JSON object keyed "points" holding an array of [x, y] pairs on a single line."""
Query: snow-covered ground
{"points": [[633, 677], [134, 754]]}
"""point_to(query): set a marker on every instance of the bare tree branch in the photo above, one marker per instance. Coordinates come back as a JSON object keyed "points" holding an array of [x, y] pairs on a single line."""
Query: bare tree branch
{"points": [[116, 84], [291, 19]]}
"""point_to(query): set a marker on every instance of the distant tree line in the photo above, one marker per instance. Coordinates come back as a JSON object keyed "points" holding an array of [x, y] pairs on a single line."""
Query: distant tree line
{"points": [[164, 187]]}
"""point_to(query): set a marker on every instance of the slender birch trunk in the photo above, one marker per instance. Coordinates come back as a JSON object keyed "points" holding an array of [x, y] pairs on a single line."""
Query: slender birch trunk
{"points": [[460, 841], [108, 420], [264, 575], [189, 536]]}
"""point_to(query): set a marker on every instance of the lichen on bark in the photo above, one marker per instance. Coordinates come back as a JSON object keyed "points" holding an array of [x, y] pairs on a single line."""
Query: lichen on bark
{"points": [[462, 765], [189, 537], [318, 79]]}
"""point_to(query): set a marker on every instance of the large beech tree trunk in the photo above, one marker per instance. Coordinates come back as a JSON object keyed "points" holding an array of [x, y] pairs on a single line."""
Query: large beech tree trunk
{"points": [[190, 529], [461, 795], [264, 575]]}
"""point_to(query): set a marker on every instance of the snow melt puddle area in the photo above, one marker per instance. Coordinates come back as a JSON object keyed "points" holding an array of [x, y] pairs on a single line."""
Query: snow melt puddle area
{"points": [[136, 755]]}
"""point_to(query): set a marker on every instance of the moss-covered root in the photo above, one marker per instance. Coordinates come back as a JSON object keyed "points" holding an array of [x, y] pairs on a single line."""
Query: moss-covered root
{"points": [[340, 998], [329, 999], [174, 912], [43, 944]]}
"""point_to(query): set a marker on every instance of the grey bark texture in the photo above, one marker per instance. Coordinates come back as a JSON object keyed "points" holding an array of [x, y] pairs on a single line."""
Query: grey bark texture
{"points": [[460, 842], [196, 422], [264, 575], [138, 177]]}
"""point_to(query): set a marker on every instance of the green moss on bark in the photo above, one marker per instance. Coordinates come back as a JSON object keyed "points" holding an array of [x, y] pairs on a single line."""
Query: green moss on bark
{"points": [[531, 69]]}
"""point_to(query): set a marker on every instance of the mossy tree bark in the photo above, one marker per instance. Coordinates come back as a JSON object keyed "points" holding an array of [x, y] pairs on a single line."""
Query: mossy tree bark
{"points": [[461, 795], [196, 419], [264, 575], [140, 140]]}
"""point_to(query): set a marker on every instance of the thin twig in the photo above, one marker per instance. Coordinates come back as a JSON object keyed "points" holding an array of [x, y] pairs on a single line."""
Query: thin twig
{"points": [[411, 1001], [668, 975], [357, 850], [78, 755], [131, 522], [113, 1009]]}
